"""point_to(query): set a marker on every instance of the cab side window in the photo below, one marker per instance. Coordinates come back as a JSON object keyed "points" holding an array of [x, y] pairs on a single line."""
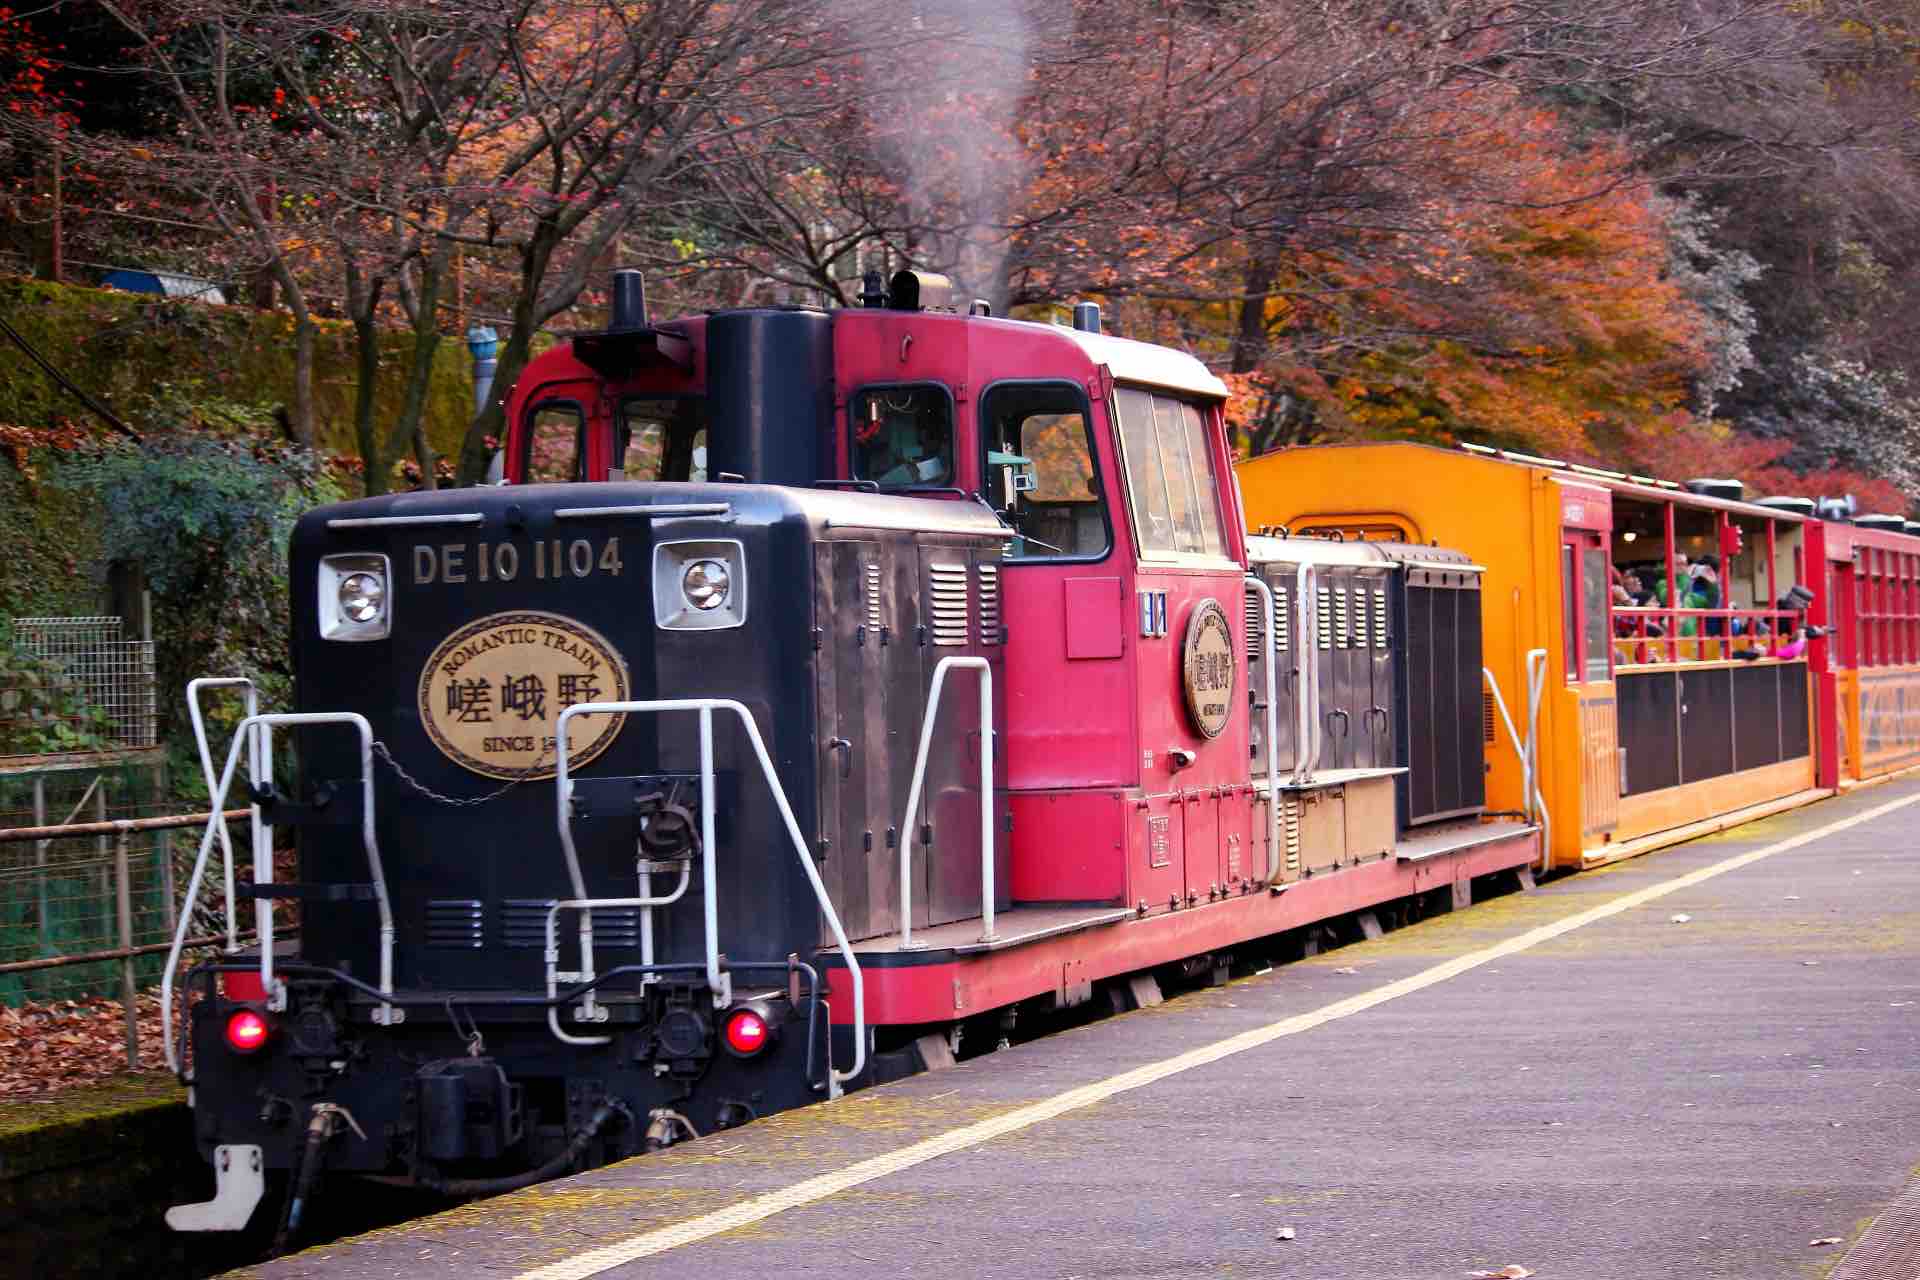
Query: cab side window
{"points": [[903, 436], [1041, 472], [553, 442], [661, 438], [1171, 484]]}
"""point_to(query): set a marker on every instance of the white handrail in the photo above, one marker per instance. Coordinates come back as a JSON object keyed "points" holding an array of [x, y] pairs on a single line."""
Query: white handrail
{"points": [[256, 733], [1307, 758], [1519, 749], [987, 887], [1271, 660], [645, 902], [1536, 691], [718, 981], [206, 772]]}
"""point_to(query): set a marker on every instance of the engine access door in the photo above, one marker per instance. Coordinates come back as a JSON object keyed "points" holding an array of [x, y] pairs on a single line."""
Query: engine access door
{"points": [[854, 844], [1192, 615]]}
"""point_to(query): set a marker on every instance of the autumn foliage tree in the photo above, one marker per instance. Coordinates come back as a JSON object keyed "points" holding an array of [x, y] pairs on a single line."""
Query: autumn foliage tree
{"points": [[1623, 231]]}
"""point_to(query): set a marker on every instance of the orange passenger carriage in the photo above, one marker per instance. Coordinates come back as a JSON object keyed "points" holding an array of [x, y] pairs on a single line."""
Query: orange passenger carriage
{"points": [[1655, 653]]}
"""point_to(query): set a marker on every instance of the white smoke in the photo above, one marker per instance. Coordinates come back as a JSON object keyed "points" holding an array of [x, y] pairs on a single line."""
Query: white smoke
{"points": [[957, 91]]}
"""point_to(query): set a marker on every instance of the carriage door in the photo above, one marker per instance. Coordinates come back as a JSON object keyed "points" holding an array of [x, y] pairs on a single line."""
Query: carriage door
{"points": [[1586, 567]]}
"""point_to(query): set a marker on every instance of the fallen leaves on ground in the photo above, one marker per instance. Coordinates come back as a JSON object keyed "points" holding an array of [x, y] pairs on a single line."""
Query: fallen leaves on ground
{"points": [[45, 1048]]}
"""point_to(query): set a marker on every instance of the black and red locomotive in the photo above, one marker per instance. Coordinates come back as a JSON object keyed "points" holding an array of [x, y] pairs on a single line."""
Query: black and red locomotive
{"points": [[820, 685]]}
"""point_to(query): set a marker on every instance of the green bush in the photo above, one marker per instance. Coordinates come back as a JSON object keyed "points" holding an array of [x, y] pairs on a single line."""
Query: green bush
{"points": [[207, 518]]}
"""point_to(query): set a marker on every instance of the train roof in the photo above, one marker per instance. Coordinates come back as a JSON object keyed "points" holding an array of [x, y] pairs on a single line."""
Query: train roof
{"points": [[1145, 362], [1266, 549], [825, 508], [1646, 488]]}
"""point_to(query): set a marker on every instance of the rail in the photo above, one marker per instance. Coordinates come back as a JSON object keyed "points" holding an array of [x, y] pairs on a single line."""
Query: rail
{"points": [[255, 733], [1655, 635], [717, 980], [987, 887], [1270, 661], [111, 827]]}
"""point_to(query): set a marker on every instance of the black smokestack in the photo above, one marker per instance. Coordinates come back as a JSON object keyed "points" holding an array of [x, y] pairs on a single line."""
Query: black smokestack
{"points": [[629, 300]]}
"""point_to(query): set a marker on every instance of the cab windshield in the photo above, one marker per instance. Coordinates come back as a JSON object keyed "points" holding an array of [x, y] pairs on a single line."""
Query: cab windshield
{"points": [[660, 438]]}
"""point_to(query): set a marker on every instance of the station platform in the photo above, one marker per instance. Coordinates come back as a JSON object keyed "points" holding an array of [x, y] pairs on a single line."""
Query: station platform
{"points": [[1695, 1064]]}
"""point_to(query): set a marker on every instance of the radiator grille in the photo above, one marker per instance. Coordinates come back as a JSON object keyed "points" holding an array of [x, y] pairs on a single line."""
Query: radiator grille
{"points": [[1486, 718], [456, 924], [1379, 617], [1290, 830], [988, 576], [1282, 619], [1342, 619], [1256, 645], [523, 925], [873, 596], [1446, 730], [1323, 619], [949, 605]]}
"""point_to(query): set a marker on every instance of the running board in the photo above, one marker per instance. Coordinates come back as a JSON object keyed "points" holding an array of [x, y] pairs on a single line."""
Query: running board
{"points": [[239, 1183]]}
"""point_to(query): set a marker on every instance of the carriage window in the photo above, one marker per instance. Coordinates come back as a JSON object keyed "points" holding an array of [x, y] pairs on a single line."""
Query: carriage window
{"points": [[1040, 471], [1569, 585], [661, 439], [903, 436], [1170, 477], [1595, 590], [553, 443]]}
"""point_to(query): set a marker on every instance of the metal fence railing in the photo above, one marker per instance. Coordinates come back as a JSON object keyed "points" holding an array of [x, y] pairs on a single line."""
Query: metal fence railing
{"points": [[64, 890], [87, 904]]}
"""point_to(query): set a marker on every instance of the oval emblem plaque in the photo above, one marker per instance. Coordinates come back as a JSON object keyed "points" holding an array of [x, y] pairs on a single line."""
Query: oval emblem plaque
{"points": [[1207, 668], [493, 691]]}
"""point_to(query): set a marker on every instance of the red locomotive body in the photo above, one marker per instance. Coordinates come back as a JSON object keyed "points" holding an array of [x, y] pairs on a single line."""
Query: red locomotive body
{"points": [[1137, 834]]}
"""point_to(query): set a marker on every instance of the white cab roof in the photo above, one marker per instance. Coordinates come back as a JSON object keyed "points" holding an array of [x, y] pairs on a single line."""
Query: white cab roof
{"points": [[1143, 362]]}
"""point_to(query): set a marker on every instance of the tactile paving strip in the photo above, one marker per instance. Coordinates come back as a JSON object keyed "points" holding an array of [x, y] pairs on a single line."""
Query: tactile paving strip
{"points": [[1890, 1250]]}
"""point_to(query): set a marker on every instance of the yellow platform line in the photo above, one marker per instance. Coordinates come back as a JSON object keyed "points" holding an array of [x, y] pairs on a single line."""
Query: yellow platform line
{"points": [[821, 1187]]}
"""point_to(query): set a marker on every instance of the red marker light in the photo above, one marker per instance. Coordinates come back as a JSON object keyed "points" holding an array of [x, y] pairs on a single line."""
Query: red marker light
{"points": [[746, 1033], [246, 1031]]}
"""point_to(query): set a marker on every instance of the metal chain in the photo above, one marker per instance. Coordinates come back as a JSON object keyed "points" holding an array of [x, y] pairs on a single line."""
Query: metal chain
{"points": [[380, 749]]}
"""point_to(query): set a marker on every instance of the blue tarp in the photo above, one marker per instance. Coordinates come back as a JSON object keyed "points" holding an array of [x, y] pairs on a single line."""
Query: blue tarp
{"points": [[163, 282]]}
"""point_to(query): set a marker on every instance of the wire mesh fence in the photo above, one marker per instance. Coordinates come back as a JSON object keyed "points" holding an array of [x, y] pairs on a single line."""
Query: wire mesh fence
{"points": [[76, 895], [112, 676]]}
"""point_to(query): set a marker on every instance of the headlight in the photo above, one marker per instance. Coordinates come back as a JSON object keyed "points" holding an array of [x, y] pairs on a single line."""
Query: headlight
{"points": [[705, 584], [353, 597], [362, 596], [700, 584]]}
